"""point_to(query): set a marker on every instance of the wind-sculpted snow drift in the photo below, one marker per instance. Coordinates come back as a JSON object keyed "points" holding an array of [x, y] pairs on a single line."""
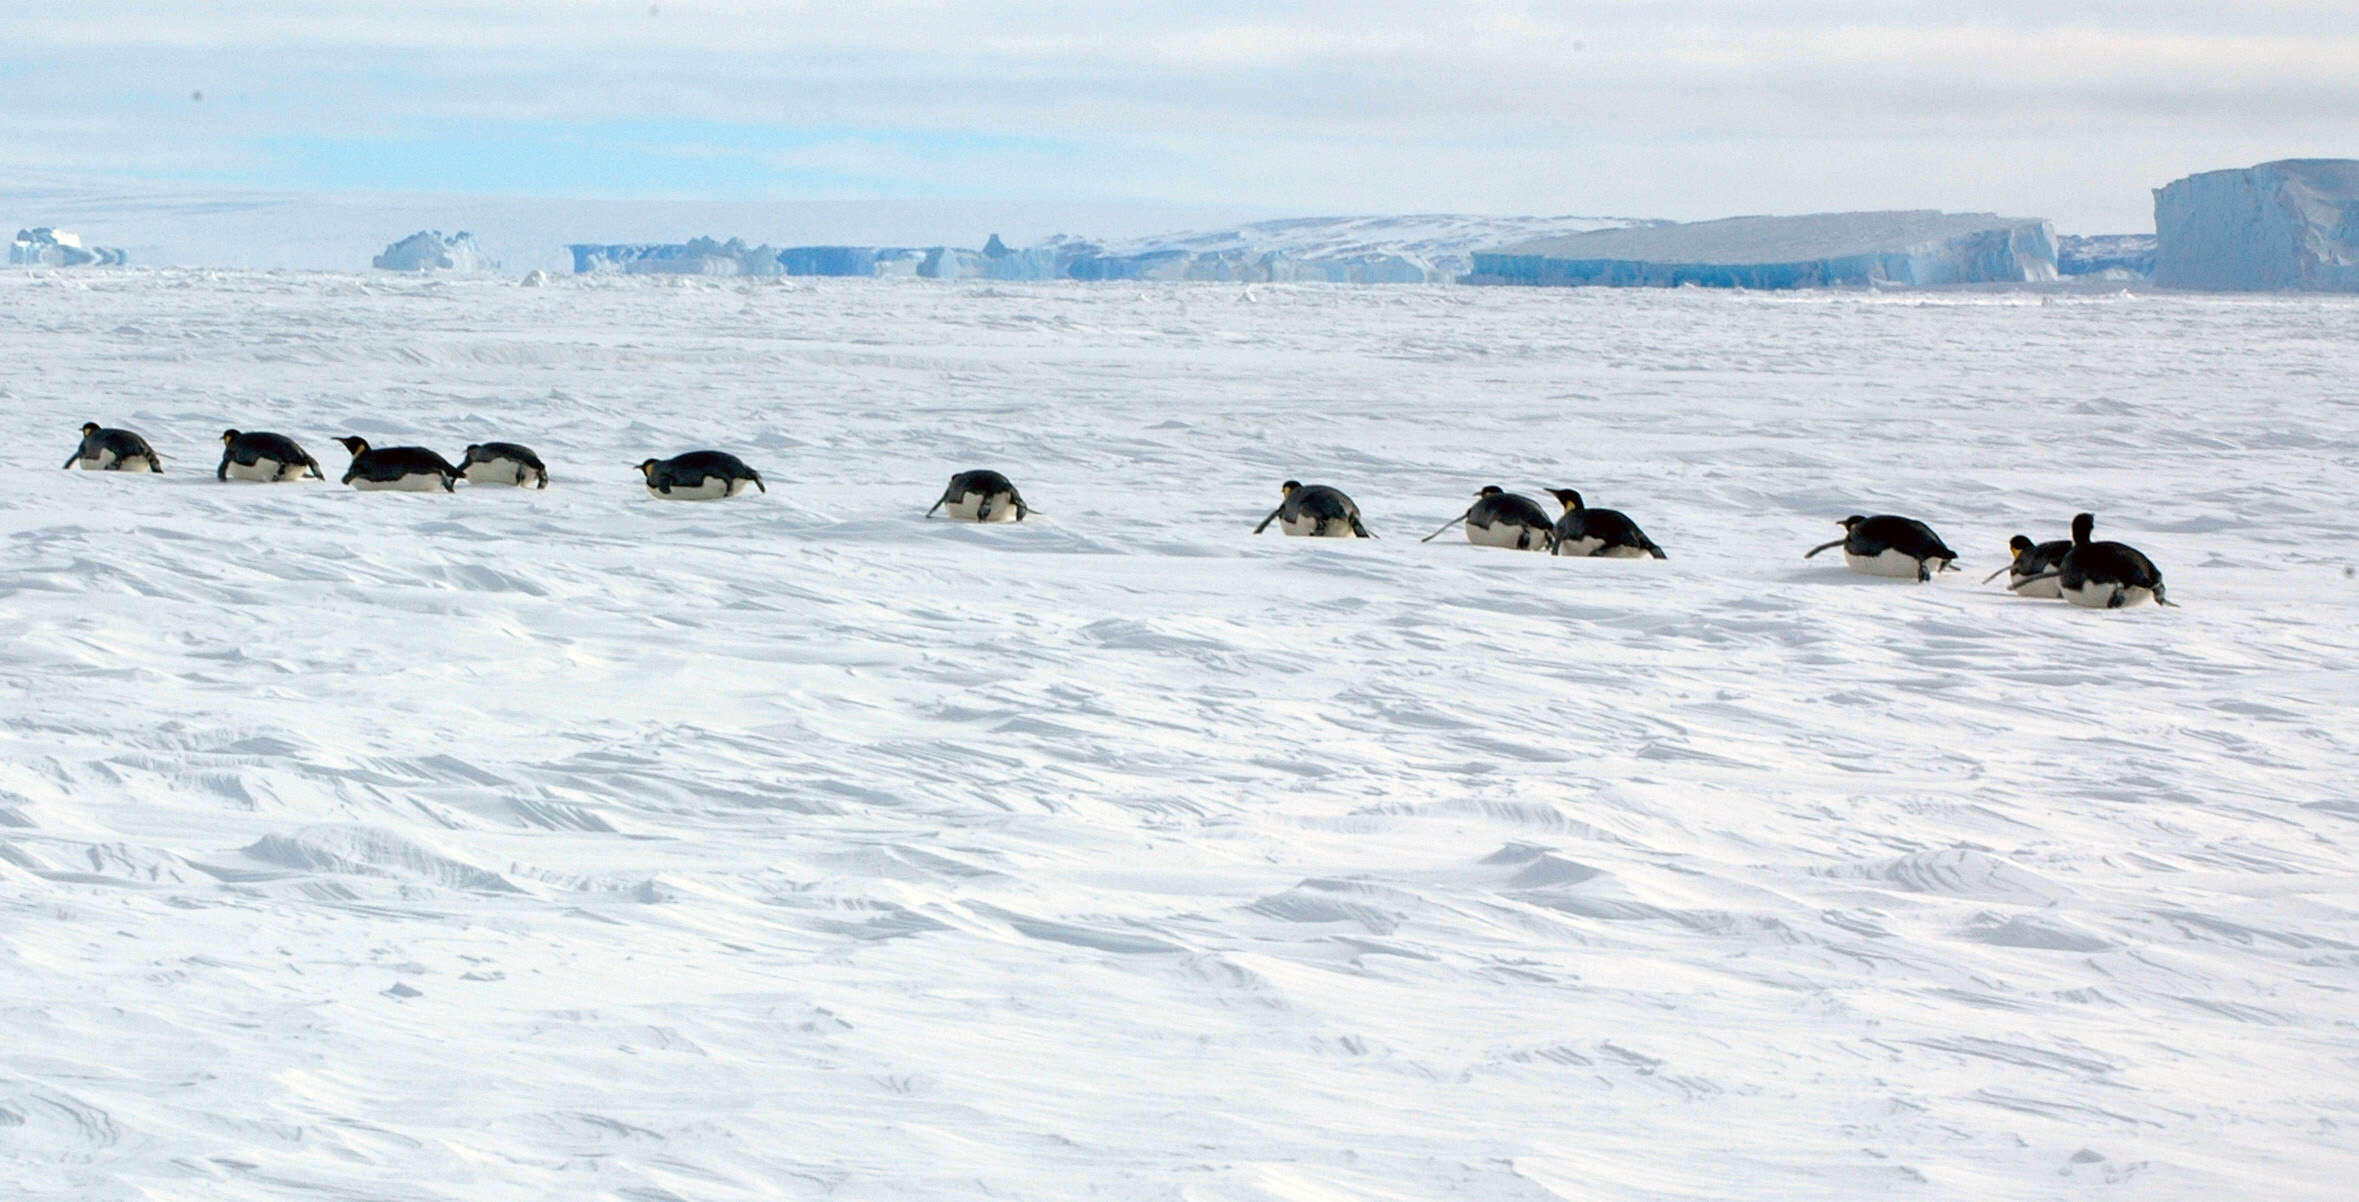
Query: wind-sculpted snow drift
{"points": [[2291, 224], [576, 845], [1917, 247]]}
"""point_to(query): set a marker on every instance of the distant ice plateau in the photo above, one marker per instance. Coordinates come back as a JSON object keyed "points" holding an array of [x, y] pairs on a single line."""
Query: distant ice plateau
{"points": [[432, 250], [42, 246], [1914, 247]]}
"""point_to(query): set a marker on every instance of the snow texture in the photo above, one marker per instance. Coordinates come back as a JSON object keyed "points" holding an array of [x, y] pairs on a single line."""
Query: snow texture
{"points": [[42, 246], [571, 844], [2291, 224], [430, 250], [1917, 247]]}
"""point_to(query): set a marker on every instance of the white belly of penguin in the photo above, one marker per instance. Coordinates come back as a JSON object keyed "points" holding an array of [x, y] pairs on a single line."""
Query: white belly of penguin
{"points": [[969, 507], [265, 470], [414, 482], [2100, 596], [2047, 588], [1622, 553], [105, 461], [712, 488], [1308, 527], [1886, 563], [499, 471], [1580, 547], [1504, 535]]}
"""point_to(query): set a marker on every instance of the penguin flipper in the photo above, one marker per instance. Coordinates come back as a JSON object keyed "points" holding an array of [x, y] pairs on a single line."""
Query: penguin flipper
{"points": [[937, 505], [1446, 525], [71, 458], [1265, 522], [1823, 546], [2013, 585], [222, 472], [1995, 575], [983, 508]]}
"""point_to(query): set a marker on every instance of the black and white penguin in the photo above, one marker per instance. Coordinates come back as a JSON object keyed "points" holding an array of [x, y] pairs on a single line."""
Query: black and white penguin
{"points": [[502, 463], [397, 469], [2033, 560], [258, 455], [1889, 545], [2103, 575], [699, 476], [1602, 533], [1500, 518], [982, 495], [105, 450], [1315, 511]]}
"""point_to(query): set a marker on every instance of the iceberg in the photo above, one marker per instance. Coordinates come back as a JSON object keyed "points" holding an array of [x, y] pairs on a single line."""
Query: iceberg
{"points": [[43, 246], [2122, 256], [1918, 247], [2290, 224], [697, 256], [429, 250]]}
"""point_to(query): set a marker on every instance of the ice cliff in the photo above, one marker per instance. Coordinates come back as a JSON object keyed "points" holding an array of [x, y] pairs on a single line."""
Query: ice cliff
{"points": [[2291, 224], [42, 246], [697, 256], [1914, 247]]}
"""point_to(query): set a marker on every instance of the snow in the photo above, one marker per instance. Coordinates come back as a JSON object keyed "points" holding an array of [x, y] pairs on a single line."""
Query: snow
{"points": [[431, 250], [2288, 224], [573, 844], [1919, 247]]}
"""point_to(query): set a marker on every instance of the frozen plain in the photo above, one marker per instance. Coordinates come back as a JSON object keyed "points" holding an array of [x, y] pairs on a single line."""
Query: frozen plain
{"points": [[573, 844]]}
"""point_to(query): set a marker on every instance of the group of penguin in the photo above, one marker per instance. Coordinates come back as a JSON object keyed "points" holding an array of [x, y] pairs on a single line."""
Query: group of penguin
{"points": [[2104, 575]]}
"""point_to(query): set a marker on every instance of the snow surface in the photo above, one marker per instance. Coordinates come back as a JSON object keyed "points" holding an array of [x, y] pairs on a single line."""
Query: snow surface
{"points": [[572, 844]]}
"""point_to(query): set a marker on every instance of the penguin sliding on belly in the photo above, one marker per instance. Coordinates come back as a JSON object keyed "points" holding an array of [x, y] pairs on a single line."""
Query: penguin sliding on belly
{"points": [[1601, 533], [2103, 575], [397, 469], [105, 450], [502, 463], [982, 496], [2031, 573], [699, 476], [1500, 518], [1315, 511], [1890, 545], [270, 458]]}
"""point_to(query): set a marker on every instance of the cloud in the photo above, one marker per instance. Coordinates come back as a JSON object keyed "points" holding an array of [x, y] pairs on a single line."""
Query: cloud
{"points": [[1687, 110]]}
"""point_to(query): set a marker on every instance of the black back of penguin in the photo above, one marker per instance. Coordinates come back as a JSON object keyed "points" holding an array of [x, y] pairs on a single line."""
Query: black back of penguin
{"points": [[247, 448], [1611, 528], [695, 467], [1892, 532], [1495, 506], [2091, 564], [387, 464]]}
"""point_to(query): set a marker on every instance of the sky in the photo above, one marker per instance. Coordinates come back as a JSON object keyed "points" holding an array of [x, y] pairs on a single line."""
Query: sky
{"points": [[1687, 110]]}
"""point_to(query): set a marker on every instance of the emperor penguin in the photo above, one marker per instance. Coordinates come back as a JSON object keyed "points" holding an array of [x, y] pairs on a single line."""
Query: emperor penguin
{"points": [[502, 463], [2033, 560], [258, 455], [1315, 511], [1890, 545], [397, 469], [982, 495], [699, 476], [1499, 518], [2103, 575], [105, 450], [1601, 533]]}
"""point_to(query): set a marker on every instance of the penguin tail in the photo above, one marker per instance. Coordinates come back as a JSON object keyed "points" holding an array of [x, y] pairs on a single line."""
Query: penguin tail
{"points": [[1823, 546], [1022, 510], [758, 482], [2159, 599], [1360, 529], [1654, 550], [1445, 525]]}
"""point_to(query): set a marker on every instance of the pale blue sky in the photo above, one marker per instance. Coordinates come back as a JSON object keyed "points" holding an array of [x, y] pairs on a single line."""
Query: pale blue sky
{"points": [[2071, 111]]}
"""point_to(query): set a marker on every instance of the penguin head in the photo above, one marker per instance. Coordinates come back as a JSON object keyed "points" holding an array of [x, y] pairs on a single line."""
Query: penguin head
{"points": [[2082, 524], [2020, 546], [229, 436], [1289, 488], [355, 444], [1849, 522], [89, 428], [1490, 490], [472, 450], [1568, 498], [647, 468]]}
